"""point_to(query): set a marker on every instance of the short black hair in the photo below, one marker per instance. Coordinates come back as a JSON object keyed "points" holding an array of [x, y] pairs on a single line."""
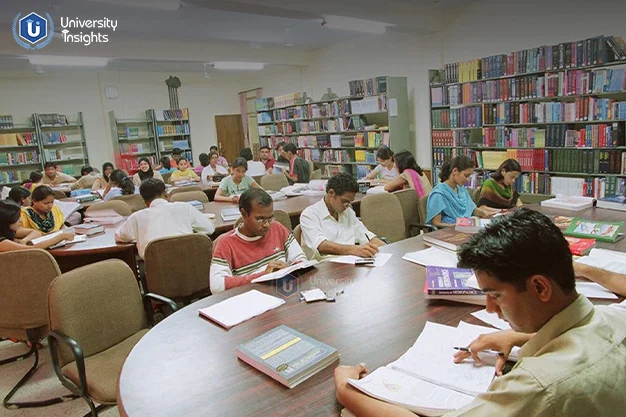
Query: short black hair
{"points": [[42, 192], [246, 153], [165, 161], [151, 189], [259, 195], [461, 163], [9, 214], [35, 176], [240, 162], [17, 194], [50, 165], [290, 147], [204, 159], [182, 158], [515, 247], [119, 178], [104, 168], [177, 151], [406, 160], [213, 147], [280, 145], [384, 153], [264, 147], [342, 183], [509, 165], [211, 155], [86, 169]]}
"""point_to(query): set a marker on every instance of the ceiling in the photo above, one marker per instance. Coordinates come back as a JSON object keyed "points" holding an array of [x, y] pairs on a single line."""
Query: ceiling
{"points": [[152, 32]]}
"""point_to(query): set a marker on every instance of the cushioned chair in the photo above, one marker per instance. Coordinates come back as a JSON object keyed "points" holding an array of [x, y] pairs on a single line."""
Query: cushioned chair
{"points": [[382, 215], [475, 195], [134, 201], [178, 267], [190, 196], [297, 233], [26, 276], [185, 189], [311, 167], [316, 174], [59, 195], [421, 208], [257, 178], [412, 221], [274, 182], [96, 316], [166, 177], [120, 207]]}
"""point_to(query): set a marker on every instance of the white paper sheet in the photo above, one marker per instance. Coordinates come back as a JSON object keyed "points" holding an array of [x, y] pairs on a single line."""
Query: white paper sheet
{"points": [[379, 260], [432, 257], [242, 307], [605, 259], [594, 290], [492, 319]]}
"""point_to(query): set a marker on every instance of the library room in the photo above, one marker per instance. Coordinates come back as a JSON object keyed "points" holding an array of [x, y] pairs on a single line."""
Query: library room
{"points": [[336, 208]]}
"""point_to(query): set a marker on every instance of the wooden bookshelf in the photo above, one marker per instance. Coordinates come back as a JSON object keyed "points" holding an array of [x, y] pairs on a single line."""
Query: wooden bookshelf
{"points": [[560, 110], [325, 131]]}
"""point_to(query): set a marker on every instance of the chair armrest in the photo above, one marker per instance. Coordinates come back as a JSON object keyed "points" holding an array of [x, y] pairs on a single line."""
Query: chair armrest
{"points": [[162, 299], [57, 336], [426, 227], [384, 239]]}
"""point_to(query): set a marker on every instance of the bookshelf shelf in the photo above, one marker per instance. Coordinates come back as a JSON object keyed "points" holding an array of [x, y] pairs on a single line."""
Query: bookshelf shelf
{"points": [[63, 150], [17, 128], [548, 82], [132, 139], [68, 144], [62, 127], [3, 147], [131, 121], [172, 120], [19, 165], [173, 135], [319, 118], [139, 139], [175, 132]]}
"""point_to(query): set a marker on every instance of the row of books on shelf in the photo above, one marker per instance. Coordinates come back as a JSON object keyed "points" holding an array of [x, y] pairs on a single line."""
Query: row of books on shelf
{"points": [[373, 104], [318, 155], [368, 87], [18, 139], [582, 109], [11, 176], [6, 121], [134, 148], [284, 100], [173, 129], [52, 119], [549, 85], [365, 156], [341, 124], [50, 138], [171, 114], [598, 50], [131, 165], [128, 132], [59, 154], [453, 118], [16, 158]]}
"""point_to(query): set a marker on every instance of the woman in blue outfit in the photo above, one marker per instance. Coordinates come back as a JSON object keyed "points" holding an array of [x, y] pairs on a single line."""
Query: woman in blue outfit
{"points": [[449, 199]]}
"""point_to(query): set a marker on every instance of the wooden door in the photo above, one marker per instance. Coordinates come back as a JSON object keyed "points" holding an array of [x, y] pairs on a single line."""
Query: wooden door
{"points": [[230, 138]]}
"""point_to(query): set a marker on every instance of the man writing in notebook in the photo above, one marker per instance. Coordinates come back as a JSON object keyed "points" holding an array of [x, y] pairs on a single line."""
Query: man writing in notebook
{"points": [[258, 246], [161, 218], [573, 355], [330, 226]]}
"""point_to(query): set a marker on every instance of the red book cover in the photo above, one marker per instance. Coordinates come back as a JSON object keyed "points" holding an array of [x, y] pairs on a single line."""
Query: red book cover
{"points": [[580, 246]]}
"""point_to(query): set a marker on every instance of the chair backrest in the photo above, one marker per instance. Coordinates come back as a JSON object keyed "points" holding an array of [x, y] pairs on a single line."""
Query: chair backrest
{"points": [[257, 178], [178, 267], [166, 177], [283, 218], [316, 174], [98, 305], [274, 182], [185, 189], [59, 195], [26, 276], [134, 201], [190, 196], [382, 215], [120, 207], [408, 201], [297, 233], [421, 208], [311, 167], [476, 195]]}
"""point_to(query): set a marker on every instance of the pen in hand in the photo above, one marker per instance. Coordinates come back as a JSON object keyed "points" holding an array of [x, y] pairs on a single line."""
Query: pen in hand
{"points": [[465, 349]]}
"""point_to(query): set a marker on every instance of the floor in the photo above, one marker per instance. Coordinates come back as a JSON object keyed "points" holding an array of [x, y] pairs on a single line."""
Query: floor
{"points": [[42, 385]]}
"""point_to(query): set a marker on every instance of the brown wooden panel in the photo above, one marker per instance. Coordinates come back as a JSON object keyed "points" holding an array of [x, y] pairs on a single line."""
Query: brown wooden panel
{"points": [[230, 135]]}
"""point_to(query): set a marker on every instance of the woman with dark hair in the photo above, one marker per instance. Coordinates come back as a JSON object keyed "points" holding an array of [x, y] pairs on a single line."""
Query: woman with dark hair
{"points": [[119, 184], [145, 171], [11, 227], [43, 215], [165, 167], [212, 169], [385, 170], [34, 180], [450, 200], [19, 196], [103, 180], [236, 183], [411, 175], [497, 192]]}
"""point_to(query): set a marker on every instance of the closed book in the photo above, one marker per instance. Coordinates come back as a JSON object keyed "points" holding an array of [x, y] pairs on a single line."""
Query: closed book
{"points": [[580, 246], [614, 202], [470, 224], [287, 355], [88, 229], [447, 238], [601, 231], [449, 281]]}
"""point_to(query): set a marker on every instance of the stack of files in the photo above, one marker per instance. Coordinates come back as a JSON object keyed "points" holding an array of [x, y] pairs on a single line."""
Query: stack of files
{"points": [[594, 229], [425, 380], [231, 214], [445, 283], [242, 307], [447, 238], [568, 202], [197, 204], [103, 217], [286, 355]]}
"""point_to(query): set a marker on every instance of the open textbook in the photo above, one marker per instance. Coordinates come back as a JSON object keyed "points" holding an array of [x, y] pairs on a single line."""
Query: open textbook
{"points": [[425, 380], [285, 271]]}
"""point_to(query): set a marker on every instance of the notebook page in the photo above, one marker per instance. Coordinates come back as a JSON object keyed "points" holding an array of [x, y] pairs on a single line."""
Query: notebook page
{"points": [[594, 290], [240, 308], [492, 319], [432, 257], [430, 359], [605, 259]]}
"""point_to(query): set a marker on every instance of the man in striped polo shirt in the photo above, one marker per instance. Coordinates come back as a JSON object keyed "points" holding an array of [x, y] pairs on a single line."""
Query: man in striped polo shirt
{"points": [[257, 247]]}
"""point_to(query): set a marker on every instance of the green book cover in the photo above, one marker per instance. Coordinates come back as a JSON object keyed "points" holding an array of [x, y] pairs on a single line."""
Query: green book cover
{"points": [[601, 231]]}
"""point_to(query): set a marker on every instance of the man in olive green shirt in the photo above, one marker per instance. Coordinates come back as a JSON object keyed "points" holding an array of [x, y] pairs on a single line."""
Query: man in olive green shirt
{"points": [[572, 360], [53, 177]]}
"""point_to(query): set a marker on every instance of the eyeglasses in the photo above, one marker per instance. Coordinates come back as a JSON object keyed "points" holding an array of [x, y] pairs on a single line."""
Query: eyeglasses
{"points": [[265, 220]]}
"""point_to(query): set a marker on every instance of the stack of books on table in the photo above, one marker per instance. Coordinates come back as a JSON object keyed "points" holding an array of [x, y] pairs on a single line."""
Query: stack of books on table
{"points": [[448, 238], [445, 283], [615, 202], [197, 204], [104, 217], [568, 202], [594, 229], [88, 229], [470, 224]]}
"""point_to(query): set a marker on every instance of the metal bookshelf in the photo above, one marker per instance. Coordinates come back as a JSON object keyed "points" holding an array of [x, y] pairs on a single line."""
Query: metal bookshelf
{"points": [[63, 143], [12, 172], [169, 132], [132, 139]]}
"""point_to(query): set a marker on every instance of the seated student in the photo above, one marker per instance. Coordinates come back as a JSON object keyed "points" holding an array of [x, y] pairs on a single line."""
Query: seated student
{"points": [[257, 247], [165, 166], [33, 181], [236, 183], [255, 168], [497, 192], [204, 162], [299, 171], [212, 169], [87, 179], [220, 159], [144, 172], [265, 156], [119, 184], [282, 155], [330, 226], [449, 199], [20, 196], [11, 227], [161, 218], [43, 215], [411, 175], [53, 177], [183, 173], [386, 169], [176, 153], [102, 181], [573, 354]]}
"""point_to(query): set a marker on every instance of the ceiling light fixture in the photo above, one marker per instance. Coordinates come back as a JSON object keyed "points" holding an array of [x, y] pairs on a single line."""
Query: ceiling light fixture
{"points": [[67, 61], [169, 5], [353, 24], [234, 65]]}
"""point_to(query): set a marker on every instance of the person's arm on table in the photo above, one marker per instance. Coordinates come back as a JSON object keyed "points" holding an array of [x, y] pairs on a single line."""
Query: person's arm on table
{"points": [[222, 279], [610, 280]]}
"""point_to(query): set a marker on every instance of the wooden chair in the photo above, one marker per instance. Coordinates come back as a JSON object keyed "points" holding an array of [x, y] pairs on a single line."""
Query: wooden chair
{"points": [[316, 174], [382, 215], [274, 182], [412, 221], [178, 267], [190, 196], [134, 201], [96, 316], [120, 207], [26, 276]]}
